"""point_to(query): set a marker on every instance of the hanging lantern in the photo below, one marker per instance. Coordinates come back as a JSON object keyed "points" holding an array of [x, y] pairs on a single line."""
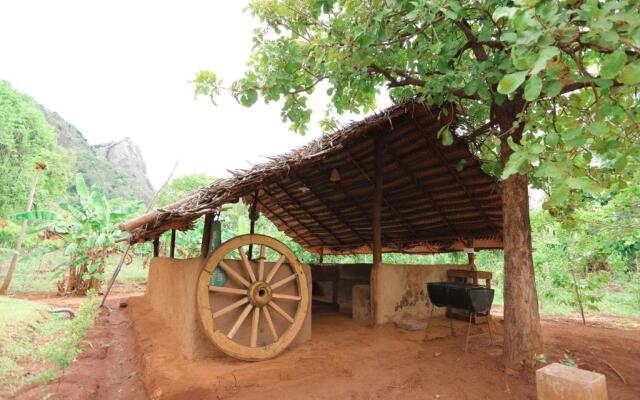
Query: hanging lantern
{"points": [[335, 175]]}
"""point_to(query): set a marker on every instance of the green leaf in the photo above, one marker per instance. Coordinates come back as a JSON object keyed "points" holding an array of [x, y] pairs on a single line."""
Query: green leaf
{"points": [[533, 88], [504, 12], [545, 55], [517, 162], [552, 88], [630, 74], [551, 139], [598, 128], [36, 215], [509, 83], [559, 194], [81, 187], [460, 165], [249, 98], [612, 64], [447, 137], [71, 248], [584, 183]]}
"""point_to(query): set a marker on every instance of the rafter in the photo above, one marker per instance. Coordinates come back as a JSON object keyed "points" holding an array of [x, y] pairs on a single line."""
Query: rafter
{"points": [[423, 189], [337, 215], [285, 223], [397, 215], [430, 144], [301, 206]]}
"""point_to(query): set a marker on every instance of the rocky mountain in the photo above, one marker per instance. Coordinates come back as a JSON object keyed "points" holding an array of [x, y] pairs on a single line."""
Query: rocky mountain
{"points": [[116, 167]]}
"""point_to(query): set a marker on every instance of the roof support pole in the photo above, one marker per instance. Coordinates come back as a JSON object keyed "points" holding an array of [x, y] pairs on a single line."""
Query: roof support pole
{"points": [[376, 223], [206, 236], [253, 216], [172, 247], [156, 247]]}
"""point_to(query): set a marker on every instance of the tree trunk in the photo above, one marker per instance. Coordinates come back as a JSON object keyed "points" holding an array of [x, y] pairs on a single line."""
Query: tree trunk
{"points": [[23, 231], [523, 333]]}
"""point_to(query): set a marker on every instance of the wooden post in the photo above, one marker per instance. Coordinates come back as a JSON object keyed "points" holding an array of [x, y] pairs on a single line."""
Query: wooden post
{"points": [[322, 255], [253, 216], [472, 260], [156, 247], [172, 247], [376, 226], [206, 235]]}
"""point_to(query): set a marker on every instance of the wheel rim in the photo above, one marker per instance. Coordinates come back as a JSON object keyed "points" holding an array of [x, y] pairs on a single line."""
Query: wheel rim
{"points": [[260, 308]]}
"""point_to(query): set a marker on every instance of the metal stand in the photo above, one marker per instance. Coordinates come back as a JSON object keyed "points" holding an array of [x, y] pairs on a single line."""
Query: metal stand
{"points": [[471, 317], [453, 333], [468, 336]]}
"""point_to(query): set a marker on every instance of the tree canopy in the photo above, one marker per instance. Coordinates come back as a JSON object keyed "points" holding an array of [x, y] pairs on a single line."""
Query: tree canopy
{"points": [[567, 72]]}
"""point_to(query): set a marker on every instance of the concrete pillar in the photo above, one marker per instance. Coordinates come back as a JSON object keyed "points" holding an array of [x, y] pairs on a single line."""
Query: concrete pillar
{"points": [[560, 382]]}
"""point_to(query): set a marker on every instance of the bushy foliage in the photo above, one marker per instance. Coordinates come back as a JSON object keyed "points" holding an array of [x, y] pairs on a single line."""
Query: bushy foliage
{"points": [[26, 139], [541, 87], [88, 231]]}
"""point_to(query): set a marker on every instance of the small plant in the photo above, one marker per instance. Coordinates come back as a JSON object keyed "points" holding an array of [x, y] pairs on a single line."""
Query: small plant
{"points": [[541, 358], [63, 351], [568, 361]]}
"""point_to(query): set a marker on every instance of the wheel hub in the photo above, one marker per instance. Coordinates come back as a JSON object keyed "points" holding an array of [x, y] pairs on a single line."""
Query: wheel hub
{"points": [[260, 294]]}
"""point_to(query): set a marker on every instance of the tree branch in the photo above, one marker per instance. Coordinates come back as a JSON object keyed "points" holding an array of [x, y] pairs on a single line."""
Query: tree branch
{"points": [[477, 48]]}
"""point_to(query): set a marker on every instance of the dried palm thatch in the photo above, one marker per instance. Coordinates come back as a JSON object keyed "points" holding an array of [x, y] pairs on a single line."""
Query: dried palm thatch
{"points": [[436, 198]]}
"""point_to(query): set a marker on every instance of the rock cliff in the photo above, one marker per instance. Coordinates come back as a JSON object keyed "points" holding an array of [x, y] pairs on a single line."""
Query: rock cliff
{"points": [[117, 167]]}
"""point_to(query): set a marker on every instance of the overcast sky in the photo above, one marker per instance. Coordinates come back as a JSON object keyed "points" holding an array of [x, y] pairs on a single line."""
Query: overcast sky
{"points": [[121, 68]]}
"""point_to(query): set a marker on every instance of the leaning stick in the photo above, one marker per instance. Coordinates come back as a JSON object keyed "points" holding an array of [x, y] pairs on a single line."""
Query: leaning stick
{"points": [[126, 250], [616, 371]]}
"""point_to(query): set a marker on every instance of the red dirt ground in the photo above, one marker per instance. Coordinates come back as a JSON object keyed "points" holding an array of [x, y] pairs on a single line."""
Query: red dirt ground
{"points": [[108, 367], [343, 361]]}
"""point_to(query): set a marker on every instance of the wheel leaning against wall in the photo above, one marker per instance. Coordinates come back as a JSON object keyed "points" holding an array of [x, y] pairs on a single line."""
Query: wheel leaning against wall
{"points": [[274, 297]]}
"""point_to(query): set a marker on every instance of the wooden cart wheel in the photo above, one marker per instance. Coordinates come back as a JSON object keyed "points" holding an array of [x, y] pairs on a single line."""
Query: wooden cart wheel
{"points": [[273, 296]]}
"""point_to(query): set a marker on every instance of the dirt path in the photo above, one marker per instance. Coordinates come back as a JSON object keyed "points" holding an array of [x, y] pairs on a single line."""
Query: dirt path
{"points": [[108, 367], [344, 360]]}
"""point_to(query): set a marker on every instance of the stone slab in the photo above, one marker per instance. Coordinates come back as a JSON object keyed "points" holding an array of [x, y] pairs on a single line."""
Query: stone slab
{"points": [[560, 382]]}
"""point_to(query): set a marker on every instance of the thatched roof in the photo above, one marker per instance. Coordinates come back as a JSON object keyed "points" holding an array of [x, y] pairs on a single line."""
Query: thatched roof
{"points": [[435, 197]]}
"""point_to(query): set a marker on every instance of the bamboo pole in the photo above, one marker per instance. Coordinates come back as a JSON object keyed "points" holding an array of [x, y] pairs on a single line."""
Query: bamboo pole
{"points": [[23, 231]]}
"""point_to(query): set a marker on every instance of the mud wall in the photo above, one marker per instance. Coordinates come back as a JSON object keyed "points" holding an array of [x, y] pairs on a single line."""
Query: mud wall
{"points": [[171, 292], [402, 290]]}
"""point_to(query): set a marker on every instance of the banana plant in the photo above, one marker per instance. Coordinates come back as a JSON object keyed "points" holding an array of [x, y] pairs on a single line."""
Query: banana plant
{"points": [[89, 234]]}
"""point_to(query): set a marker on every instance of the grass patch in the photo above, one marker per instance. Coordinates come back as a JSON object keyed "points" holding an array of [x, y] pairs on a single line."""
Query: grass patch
{"points": [[36, 345], [34, 272]]}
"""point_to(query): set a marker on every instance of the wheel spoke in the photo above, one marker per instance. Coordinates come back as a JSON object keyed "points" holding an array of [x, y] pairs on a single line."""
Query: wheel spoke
{"points": [[227, 290], [286, 297], [227, 268], [272, 329], [280, 311], [230, 307], [283, 282], [247, 264], [275, 268], [254, 326], [261, 263], [239, 321]]}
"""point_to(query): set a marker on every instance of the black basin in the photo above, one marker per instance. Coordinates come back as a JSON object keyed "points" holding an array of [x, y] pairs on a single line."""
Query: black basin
{"points": [[475, 299]]}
